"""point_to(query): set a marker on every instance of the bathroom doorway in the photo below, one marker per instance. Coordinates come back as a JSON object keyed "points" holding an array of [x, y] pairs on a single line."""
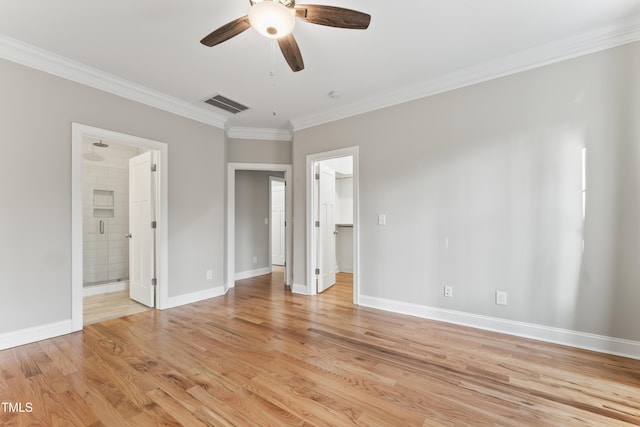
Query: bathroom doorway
{"points": [[106, 228], [105, 214]]}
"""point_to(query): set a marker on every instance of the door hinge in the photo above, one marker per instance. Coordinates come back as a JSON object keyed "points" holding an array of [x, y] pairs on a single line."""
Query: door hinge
{"points": [[317, 271], [317, 176], [317, 223], [154, 282], [154, 224], [154, 168]]}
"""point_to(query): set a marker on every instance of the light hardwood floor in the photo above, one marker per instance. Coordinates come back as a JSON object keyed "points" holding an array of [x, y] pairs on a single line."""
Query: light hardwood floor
{"points": [[98, 308], [261, 356]]}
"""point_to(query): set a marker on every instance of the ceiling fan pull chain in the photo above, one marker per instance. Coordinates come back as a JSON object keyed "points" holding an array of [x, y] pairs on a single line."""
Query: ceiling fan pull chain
{"points": [[272, 57], [272, 72]]}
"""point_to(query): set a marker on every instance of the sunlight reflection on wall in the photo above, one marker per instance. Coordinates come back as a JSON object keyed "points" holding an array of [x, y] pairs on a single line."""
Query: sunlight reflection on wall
{"points": [[510, 217]]}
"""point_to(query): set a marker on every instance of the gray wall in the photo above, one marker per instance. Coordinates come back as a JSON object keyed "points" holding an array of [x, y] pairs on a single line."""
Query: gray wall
{"points": [[37, 110], [259, 151], [252, 207], [482, 188]]}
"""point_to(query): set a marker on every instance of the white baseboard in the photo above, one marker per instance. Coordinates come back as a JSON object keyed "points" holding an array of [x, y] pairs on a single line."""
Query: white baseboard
{"points": [[107, 288], [599, 343], [253, 273], [299, 289], [193, 297], [37, 333], [345, 269]]}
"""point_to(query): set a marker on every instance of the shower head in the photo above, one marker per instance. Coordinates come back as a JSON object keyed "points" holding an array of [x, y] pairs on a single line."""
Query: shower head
{"points": [[100, 144]]}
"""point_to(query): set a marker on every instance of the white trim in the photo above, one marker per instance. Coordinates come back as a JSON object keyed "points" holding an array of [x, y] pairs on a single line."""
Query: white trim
{"points": [[265, 134], [40, 59], [78, 132], [528, 59], [37, 333], [231, 215], [537, 56], [106, 288], [310, 236], [599, 343], [252, 273], [296, 288], [179, 300]]}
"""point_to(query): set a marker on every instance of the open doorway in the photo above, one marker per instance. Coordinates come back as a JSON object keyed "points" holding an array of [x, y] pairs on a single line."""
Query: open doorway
{"points": [[253, 223], [245, 220], [332, 220], [117, 202], [119, 224]]}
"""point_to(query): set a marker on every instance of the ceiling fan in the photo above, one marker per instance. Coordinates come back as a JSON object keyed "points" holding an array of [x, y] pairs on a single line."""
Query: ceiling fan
{"points": [[276, 19]]}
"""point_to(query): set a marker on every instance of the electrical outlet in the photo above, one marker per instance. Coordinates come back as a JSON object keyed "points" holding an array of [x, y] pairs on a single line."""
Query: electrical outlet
{"points": [[382, 219], [209, 274], [501, 298], [255, 259], [448, 291]]}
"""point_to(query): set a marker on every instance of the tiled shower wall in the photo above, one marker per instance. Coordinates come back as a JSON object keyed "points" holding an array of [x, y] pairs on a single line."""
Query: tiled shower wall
{"points": [[105, 197]]}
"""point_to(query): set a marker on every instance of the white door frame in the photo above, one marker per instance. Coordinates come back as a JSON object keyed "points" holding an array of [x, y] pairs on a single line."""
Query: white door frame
{"points": [[231, 215], [273, 179], [78, 132], [312, 159]]}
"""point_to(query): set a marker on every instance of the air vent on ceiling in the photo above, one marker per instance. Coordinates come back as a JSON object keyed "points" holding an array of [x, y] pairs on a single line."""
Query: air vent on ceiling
{"points": [[226, 104]]}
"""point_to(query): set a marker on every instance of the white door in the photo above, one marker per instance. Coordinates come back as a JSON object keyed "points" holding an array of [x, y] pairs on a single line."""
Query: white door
{"points": [[141, 234], [326, 230], [277, 222]]}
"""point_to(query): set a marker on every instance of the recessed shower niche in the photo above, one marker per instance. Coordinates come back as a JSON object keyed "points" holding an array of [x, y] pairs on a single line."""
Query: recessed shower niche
{"points": [[105, 199], [102, 203]]}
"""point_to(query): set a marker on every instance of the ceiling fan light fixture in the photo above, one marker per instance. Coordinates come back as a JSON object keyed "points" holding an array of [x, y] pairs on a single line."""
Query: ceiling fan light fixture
{"points": [[272, 19]]}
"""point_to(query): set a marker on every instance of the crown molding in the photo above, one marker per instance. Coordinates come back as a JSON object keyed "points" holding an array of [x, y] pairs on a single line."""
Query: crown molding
{"points": [[538, 56], [40, 59], [528, 59], [265, 134]]}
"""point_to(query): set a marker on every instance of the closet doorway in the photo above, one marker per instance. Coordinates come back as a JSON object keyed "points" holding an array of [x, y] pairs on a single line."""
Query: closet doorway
{"points": [[332, 219]]}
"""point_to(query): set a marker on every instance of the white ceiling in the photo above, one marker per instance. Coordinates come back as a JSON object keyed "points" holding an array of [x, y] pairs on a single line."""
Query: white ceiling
{"points": [[411, 49]]}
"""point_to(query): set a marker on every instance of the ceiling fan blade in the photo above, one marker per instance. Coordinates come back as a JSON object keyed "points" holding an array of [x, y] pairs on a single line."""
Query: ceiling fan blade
{"points": [[291, 52], [332, 16], [227, 31]]}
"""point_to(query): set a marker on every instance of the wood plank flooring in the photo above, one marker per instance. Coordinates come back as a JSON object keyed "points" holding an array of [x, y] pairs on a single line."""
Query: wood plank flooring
{"points": [[261, 356], [98, 308]]}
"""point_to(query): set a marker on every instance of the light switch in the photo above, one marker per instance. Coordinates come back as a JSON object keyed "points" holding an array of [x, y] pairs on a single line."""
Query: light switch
{"points": [[501, 298], [382, 219]]}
